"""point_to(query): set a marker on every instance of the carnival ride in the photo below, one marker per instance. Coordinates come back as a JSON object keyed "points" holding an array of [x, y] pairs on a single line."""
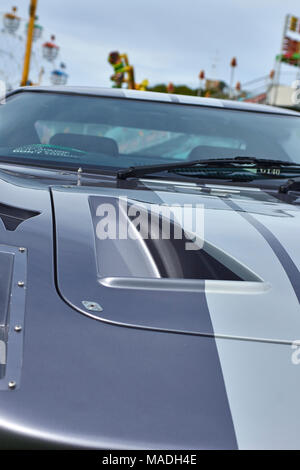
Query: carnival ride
{"points": [[124, 72], [43, 56]]}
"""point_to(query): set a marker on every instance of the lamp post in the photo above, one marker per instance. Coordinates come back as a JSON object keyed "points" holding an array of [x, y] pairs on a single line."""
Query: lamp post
{"points": [[170, 87], [270, 85], [233, 64], [201, 79], [26, 67]]}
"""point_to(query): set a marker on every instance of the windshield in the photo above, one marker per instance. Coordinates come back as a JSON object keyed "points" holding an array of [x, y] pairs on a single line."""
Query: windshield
{"points": [[82, 131]]}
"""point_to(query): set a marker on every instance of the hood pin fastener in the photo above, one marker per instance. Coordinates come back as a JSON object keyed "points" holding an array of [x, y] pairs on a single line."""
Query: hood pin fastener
{"points": [[12, 385], [21, 283], [18, 328], [22, 249], [92, 306]]}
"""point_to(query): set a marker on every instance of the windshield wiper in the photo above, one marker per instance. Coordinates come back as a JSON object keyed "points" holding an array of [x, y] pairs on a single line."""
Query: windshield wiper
{"points": [[293, 184], [252, 162]]}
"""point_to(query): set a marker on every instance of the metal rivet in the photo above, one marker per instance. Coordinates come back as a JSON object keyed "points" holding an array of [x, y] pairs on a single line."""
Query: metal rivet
{"points": [[18, 328], [21, 283], [92, 306], [21, 249], [12, 384]]}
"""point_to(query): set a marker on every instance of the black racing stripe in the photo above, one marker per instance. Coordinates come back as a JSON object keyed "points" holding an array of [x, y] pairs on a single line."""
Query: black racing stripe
{"points": [[286, 261]]}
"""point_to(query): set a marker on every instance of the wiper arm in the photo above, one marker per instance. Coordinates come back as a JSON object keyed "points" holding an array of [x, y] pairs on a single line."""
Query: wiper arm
{"points": [[293, 184], [138, 171]]}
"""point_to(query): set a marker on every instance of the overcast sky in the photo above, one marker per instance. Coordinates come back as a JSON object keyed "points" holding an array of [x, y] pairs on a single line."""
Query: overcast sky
{"points": [[166, 40]]}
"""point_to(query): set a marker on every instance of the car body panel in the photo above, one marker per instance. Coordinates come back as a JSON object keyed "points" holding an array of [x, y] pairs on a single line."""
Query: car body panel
{"points": [[205, 365], [236, 310], [153, 96]]}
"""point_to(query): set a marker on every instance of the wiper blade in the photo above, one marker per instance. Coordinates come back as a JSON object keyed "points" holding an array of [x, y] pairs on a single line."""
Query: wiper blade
{"points": [[138, 171]]}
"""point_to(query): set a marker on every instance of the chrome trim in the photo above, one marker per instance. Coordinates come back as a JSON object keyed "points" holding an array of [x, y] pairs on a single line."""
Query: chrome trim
{"points": [[186, 285], [14, 344]]}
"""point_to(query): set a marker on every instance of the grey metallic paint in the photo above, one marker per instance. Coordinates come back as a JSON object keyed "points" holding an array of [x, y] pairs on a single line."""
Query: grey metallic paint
{"points": [[206, 368]]}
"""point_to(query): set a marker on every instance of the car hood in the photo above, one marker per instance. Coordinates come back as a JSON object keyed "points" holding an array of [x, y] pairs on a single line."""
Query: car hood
{"points": [[144, 347], [245, 284], [246, 316]]}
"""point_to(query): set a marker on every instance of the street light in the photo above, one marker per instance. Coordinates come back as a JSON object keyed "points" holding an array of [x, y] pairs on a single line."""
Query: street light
{"points": [[233, 64], [201, 78], [170, 87], [238, 86]]}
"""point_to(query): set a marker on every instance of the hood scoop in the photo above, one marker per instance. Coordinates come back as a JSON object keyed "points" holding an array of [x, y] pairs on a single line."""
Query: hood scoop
{"points": [[155, 254], [12, 216], [140, 282]]}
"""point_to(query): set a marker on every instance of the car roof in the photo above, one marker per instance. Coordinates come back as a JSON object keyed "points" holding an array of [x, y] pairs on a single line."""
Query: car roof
{"points": [[155, 96]]}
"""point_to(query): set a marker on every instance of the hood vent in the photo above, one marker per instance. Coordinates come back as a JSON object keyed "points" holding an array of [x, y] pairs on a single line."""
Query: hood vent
{"points": [[12, 216], [174, 261], [159, 257], [144, 282]]}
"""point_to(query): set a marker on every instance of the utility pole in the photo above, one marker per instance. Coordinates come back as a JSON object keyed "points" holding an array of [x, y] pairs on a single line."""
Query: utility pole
{"points": [[27, 57]]}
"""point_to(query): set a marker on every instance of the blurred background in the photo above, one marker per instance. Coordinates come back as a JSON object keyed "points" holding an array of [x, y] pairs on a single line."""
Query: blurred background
{"points": [[206, 48]]}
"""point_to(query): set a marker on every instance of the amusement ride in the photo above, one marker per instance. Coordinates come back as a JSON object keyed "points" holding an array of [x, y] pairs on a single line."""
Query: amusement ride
{"points": [[43, 57]]}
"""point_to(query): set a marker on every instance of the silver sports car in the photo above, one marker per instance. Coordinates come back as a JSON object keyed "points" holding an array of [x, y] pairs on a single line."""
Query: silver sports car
{"points": [[149, 271]]}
